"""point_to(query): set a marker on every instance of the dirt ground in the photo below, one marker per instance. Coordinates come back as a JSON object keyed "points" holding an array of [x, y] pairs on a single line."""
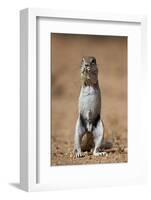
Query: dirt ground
{"points": [[111, 56]]}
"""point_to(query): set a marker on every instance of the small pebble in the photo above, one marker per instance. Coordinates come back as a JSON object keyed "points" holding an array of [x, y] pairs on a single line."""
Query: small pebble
{"points": [[71, 155], [121, 148]]}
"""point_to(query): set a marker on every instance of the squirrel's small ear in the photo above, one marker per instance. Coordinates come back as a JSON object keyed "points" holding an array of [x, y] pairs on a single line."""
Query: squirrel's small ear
{"points": [[82, 59], [93, 61], [82, 62]]}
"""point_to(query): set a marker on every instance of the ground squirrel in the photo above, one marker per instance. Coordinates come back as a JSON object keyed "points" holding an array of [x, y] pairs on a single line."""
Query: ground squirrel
{"points": [[89, 121]]}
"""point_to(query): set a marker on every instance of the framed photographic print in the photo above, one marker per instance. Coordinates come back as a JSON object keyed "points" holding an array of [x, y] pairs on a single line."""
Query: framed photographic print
{"points": [[81, 82]]}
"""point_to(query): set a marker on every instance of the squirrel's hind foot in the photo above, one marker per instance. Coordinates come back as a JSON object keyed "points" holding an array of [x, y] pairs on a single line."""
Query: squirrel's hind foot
{"points": [[103, 153]]}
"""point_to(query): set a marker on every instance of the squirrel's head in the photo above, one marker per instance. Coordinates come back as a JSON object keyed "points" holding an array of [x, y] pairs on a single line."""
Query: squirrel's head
{"points": [[89, 70]]}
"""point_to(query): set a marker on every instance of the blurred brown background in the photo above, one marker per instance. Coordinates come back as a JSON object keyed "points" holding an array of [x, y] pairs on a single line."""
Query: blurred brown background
{"points": [[67, 51]]}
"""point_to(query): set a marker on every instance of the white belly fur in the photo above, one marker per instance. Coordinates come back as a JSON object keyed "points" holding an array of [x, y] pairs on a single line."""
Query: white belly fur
{"points": [[89, 101]]}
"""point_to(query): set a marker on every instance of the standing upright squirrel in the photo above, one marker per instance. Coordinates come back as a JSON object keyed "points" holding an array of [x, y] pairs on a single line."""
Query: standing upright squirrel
{"points": [[89, 120]]}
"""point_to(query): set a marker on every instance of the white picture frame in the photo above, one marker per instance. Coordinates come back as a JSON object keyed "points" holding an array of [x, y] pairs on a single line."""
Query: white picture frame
{"points": [[34, 172]]}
